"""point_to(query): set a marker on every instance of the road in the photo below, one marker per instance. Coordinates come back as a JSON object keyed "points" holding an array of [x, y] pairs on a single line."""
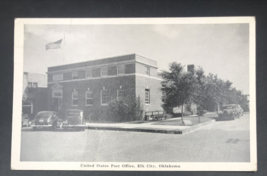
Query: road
{"points": [[222, 141]]}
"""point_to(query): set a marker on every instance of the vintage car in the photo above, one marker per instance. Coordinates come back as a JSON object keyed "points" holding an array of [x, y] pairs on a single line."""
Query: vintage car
{"points": [[45, 119], [239, 110], [228, 112], [73, 120]]}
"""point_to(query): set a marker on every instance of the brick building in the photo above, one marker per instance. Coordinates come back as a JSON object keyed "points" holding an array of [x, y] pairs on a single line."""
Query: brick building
{"points": [[92, 84], [34, 93]]}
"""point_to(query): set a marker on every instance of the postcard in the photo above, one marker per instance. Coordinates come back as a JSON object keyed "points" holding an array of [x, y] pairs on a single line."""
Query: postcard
{"points": [[134, 94]]}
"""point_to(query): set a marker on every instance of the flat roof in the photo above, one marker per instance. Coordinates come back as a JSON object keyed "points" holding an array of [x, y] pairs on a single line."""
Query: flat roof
{"points": [[105, 61]]}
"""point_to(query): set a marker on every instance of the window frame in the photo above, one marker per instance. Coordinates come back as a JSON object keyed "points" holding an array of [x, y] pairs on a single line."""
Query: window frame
{"points": [[77, 75], [86, 73], [34, 83], [86, 98], [101, 71], [55, 77], [147, 70], [101, 97], [147, 100], [75, 91], [119, 69], [29, 85]]}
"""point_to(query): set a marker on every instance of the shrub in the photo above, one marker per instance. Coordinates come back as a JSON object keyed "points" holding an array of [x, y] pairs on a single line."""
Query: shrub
{"points": [[127, 109], [185, 113], [97, 115]]}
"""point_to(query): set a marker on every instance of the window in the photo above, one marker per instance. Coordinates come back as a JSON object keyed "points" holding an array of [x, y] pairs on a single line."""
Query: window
{"points": [[58, 77], [89, 73], [89, 98], [74, 98], [121, 69], [75, 75], [129, 68], [30, 85], [147, 96], [120, 94], [104, 97], [34, 85], [96, 72], [104, 71], [147, 71], [164, 96], [112, 71]]}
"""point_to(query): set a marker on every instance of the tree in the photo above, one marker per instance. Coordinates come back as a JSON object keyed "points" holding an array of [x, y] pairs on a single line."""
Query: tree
{"points": [[129, 108], [179, 87]]}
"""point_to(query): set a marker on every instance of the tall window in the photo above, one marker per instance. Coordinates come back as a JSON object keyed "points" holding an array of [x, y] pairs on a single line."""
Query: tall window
{"points": [[164, 96], [104, 71], [89, 73], [147, 96], [89, 98], [121, 69], [120, 94], [75, 75], [104, 97], [58, 77], [148, 71], [74, 98]]}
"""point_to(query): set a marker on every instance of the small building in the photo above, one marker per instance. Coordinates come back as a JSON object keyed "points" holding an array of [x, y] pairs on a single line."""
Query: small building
{"points": [[34, 93], [92, 84]]}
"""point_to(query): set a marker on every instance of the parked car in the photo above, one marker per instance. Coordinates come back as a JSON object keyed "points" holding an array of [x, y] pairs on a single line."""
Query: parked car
{"points": [[45, 119], [228, 112], [73, 120], [25, 120], [239, 110]]}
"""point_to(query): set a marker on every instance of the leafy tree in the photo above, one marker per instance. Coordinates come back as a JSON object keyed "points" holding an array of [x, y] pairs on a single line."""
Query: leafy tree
{"points": [[179, 87], [128, 108]]}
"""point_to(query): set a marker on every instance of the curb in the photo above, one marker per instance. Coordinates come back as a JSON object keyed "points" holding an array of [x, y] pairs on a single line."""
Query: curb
{"points": [[149, 130], [197, 127]]}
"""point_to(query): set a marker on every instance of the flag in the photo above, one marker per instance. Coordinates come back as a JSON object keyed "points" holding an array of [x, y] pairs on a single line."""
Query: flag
{"points": [[54, 45]]}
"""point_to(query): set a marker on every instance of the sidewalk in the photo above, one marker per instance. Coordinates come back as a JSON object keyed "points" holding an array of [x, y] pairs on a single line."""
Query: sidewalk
{"points": [[147, 127]]}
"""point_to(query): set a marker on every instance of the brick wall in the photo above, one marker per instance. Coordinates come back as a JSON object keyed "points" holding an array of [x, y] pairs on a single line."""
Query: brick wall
{"points": [[154, 86], [126, 83]]}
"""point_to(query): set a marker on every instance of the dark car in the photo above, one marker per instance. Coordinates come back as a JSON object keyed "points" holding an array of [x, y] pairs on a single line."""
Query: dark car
{"points": [[45, 119], [73, 120]]}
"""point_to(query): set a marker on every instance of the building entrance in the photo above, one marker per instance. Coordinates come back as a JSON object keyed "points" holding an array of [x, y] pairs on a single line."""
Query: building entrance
{"points": [[56, 100]]}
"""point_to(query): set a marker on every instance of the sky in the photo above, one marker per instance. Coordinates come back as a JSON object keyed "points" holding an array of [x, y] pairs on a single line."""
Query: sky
{"points": [[221, 49]]}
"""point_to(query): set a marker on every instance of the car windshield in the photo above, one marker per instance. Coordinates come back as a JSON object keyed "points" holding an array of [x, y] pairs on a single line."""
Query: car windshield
{"points": [[44, 114]]}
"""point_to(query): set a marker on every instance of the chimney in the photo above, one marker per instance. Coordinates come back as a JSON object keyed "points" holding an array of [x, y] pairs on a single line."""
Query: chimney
{"points": [[191, 68]]}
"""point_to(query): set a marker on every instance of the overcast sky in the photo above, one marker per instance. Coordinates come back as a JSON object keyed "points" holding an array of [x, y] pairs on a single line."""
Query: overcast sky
{"points": [[221, 49]]}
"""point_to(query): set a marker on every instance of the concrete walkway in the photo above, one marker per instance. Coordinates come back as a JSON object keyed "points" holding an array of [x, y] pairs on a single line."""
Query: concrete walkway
{"points": [[146, 127]]}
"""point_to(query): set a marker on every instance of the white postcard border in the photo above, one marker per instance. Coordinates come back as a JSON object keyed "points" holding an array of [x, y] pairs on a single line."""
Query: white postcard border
{"points": [[16, 164]]}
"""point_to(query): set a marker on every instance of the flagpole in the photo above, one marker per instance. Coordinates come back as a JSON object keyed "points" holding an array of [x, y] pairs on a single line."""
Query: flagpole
{"points": [[64, 48]]}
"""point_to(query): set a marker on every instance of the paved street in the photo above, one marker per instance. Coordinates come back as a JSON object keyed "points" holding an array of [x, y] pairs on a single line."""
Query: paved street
{"points": [[222, 141]]}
